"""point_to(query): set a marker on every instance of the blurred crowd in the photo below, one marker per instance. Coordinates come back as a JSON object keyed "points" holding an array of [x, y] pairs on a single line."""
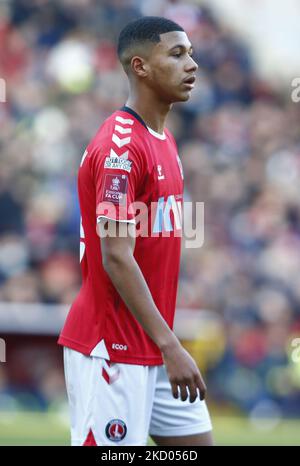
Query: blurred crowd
{"points": [[239, 142]]}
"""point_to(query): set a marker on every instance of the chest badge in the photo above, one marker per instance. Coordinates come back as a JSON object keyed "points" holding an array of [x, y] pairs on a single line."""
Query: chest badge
{"points": [[160, 174]]}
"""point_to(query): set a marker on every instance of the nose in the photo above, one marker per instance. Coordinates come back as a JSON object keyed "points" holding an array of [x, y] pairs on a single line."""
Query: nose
{"points": [[191, 65]]}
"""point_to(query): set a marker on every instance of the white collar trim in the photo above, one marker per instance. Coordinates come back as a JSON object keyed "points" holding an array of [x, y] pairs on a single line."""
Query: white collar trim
{"points": [[157, 135]]}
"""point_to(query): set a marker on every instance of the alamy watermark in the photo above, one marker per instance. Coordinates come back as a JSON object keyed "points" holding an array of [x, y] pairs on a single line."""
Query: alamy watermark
{"points": [[2, 90], [166, 218], [2, 350], [296, 90]]}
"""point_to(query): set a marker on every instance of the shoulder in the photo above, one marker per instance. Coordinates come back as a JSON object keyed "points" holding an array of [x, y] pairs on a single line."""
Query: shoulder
{"points": [[118, 144], [118, 134]]}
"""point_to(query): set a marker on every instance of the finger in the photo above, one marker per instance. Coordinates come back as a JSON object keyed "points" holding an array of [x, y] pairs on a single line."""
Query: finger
{"points": [[201, 387], [193, 392], [202, 394], [183, 392], [174, 390]]}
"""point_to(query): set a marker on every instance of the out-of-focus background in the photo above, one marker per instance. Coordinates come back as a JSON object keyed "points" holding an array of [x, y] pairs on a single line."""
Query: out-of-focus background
{"points": [[239, 141]]}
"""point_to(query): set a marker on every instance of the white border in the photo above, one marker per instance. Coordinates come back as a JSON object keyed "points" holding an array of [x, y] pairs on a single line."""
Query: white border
{"points": [[157, 135]]}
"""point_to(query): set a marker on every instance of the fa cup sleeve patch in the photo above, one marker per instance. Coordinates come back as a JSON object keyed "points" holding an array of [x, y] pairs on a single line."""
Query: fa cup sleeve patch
{"points": [[115, 189]]}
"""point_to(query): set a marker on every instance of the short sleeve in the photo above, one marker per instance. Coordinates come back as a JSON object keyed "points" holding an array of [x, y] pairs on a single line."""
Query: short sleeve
{"points": [[118, 179]]}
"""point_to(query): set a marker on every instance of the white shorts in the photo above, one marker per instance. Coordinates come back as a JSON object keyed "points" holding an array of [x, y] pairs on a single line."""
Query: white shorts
{"points": [[121, 404]]}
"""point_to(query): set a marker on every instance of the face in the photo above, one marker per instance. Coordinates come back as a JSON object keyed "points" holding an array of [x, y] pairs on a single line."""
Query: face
{"points": [[171, 68]]}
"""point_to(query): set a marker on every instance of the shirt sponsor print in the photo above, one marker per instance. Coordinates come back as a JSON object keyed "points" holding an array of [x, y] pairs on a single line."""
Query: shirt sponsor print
{"points": [[162, 220]]}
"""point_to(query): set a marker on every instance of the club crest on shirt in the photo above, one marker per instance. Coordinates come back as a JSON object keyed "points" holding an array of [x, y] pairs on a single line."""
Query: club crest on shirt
{"points": [[116, 430], [117, 162]]}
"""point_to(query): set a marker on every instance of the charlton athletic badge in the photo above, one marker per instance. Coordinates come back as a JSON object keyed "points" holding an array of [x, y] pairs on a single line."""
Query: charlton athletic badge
{"points": [[116, 430]]}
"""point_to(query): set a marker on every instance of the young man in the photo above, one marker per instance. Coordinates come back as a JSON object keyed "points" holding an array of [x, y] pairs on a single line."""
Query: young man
{"points": [[127, 375]]}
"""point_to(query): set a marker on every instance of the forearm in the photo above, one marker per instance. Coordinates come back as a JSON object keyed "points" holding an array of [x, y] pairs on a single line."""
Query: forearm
{"points": [[130, 283]]}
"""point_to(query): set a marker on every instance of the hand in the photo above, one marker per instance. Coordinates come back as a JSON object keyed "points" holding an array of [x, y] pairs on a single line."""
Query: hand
{"points": [[183, 373]]}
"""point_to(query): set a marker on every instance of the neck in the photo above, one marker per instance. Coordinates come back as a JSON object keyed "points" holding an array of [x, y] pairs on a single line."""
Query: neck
{"points": [[152, 110]]}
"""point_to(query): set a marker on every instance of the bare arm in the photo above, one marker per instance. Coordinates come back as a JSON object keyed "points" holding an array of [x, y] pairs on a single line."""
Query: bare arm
{"points": [[124, 272]]}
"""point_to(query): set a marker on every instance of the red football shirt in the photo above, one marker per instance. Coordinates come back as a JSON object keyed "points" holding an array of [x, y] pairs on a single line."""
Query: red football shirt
{"points": [[125, 163]]}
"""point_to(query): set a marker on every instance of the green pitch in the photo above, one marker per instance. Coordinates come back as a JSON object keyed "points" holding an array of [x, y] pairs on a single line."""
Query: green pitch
{"points": [[52, 429]]}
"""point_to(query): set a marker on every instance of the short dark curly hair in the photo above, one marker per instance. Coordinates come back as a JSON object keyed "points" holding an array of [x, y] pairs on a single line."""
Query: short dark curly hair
{"points": [[141, 32]]}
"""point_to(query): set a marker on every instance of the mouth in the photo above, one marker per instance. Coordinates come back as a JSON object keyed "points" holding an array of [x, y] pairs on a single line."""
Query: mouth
{"points": [[189, 82]]}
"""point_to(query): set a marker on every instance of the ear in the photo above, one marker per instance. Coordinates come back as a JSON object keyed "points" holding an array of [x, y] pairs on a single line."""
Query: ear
{"points": [[139, 67]]}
